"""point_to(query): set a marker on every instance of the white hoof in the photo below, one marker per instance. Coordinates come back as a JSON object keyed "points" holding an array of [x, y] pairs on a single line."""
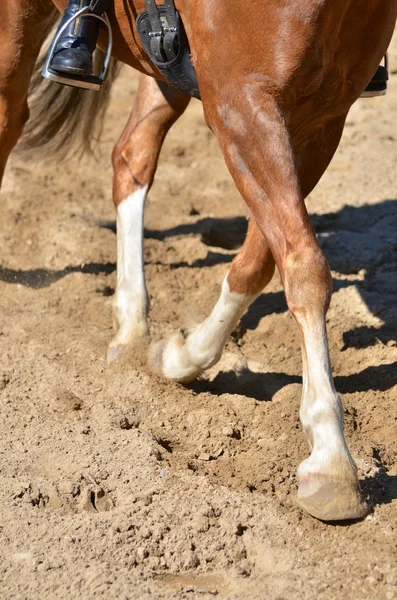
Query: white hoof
{"points": [[330, 499], [121, 345], [170, 359], [115, 350]]}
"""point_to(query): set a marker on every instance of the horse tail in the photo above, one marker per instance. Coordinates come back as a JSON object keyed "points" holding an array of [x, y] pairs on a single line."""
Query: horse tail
{"points": [[64, 118]]}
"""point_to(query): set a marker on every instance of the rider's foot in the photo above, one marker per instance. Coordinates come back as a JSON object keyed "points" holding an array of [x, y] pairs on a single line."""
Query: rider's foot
{"points": [[73, 61], [378, 84], [74, 50]]}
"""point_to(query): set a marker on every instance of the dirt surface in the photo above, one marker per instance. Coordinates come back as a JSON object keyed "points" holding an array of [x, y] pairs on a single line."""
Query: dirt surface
{"points": [[116, 485]]}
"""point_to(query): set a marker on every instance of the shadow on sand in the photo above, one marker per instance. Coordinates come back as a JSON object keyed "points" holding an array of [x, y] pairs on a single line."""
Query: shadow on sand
{"points": [[353, 238], [382, 487]]}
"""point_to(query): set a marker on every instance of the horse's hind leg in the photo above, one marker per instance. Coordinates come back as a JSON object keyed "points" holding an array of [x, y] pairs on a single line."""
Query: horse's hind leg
{"points": [[188, 353], [157, 106], [24, 25]]}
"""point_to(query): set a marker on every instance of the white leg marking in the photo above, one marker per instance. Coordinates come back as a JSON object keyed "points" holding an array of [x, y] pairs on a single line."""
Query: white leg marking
{"points": [[328, 485], [321, 411], [131, 301], [183, 358]]}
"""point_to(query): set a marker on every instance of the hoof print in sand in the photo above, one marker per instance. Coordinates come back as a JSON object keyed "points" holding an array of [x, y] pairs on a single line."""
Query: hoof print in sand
{"points": [[66, 401], [97, 501], [68, 497]]}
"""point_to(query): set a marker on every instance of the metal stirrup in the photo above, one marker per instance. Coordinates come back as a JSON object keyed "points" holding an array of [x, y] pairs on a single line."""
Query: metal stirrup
{"points": [[88, 83]]}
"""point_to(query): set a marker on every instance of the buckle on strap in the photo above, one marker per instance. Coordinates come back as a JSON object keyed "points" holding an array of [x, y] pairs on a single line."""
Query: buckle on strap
{"points": [[164, 41]]}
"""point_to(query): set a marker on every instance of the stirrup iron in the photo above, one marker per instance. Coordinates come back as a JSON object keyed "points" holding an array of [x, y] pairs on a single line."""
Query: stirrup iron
{"points": [[88, 83]]}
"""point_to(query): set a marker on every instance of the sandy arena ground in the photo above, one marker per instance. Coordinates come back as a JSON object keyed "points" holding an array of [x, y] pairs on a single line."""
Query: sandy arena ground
{"points": [[116, 485]]}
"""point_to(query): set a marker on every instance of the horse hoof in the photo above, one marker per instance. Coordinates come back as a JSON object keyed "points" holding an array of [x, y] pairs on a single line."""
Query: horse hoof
{"points": [[155, 357], [114, 352], [136, 345], [166, 359], [330, 499]]}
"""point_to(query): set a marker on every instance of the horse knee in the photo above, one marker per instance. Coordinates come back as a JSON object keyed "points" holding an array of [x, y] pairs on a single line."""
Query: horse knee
{"points": [[117, 158], [131, 173], [307, 282], [119, 162]]}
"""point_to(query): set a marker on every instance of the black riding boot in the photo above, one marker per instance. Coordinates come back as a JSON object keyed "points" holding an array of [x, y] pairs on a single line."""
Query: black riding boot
{"points": [[73, 53], [378, 84]]}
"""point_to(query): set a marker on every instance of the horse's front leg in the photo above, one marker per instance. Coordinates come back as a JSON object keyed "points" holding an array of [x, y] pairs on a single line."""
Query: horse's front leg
{"points": [[185, 355], [259, 153], [135, 157]]}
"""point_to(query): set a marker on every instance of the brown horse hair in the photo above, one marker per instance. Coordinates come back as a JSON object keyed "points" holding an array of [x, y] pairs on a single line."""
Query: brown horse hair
{"points": [[63, 119]]}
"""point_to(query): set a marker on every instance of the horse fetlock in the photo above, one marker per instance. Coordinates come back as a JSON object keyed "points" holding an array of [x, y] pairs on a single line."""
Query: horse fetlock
{"points": [[131, 327], [321, 416], [129, 309], [333, 460]]}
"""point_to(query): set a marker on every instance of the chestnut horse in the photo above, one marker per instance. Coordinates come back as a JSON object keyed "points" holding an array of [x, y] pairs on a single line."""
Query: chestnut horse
{"points": [[277, 79]]}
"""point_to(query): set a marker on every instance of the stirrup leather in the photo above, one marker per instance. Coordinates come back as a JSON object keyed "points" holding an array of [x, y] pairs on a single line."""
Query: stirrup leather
{"points": [[88, 83]]}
